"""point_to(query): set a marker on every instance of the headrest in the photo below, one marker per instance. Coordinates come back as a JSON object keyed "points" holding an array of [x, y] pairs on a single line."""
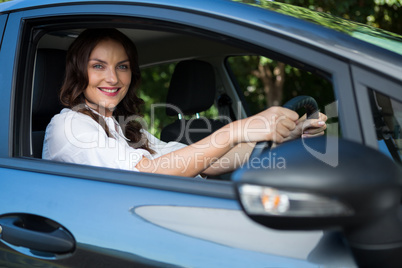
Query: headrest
{"points": [[192, 87], [48, 78]]}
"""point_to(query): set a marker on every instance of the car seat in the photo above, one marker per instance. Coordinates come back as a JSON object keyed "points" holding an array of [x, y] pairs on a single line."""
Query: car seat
{"points": [[192, 90], [48, 78]]}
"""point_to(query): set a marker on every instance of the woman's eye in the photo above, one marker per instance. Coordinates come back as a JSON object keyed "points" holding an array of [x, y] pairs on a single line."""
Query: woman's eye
{"points": [[97, 66], [123, 67]]}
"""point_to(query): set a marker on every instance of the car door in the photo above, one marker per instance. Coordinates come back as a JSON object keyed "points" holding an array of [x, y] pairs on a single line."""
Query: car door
{"points": [[73, 215]]}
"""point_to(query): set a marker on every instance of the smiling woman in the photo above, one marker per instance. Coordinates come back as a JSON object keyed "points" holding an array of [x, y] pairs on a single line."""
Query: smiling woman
{"points": [[102, 75], [97, 62]]}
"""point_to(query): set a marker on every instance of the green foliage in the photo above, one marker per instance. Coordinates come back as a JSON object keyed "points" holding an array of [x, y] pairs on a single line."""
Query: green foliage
{"points": [[153, 91], [298, 82], [384, 14], [380, 37]]}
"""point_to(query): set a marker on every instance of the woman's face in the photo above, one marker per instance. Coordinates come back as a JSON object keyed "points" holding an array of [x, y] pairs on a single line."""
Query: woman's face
{"points": [[109, 77]]}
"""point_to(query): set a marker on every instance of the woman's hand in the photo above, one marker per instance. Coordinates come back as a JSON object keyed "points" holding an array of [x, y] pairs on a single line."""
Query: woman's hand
{"points": [[274, 124], [308, 127]]}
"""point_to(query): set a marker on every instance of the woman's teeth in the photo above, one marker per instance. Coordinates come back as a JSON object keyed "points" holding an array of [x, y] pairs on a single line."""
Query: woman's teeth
{"points": [[109, 90]]}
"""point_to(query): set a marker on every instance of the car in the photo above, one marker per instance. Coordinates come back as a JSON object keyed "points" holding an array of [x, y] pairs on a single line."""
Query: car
{"points": [[329, 201]]}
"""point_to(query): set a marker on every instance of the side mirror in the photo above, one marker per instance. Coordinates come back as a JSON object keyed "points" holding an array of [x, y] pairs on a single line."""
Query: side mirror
{"points": [[360, 193]]}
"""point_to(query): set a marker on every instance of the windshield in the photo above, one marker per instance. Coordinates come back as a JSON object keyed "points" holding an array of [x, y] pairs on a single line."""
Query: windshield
{"points": [[375, 36]]}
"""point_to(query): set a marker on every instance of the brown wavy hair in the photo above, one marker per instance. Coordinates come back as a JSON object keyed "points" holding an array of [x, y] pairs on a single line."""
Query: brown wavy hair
{"points": [[76, 81]]}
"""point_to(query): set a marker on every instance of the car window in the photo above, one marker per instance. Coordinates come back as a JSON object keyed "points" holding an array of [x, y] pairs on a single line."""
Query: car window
{"points": [[156, 77], [262, 82], [265, 82], [157, 63], [387, 116]]}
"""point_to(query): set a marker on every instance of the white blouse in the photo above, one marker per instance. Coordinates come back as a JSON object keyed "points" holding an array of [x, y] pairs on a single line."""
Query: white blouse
{"points": [[74, 137]]}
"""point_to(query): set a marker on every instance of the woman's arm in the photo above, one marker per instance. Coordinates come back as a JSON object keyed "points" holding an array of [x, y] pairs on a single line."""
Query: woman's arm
{"points": [[232, 160], [275, 123], [239, 155]]}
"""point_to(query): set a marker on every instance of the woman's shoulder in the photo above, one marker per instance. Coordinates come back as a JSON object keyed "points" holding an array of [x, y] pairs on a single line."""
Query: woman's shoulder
{"points": [[69, 113], [68, 118]]}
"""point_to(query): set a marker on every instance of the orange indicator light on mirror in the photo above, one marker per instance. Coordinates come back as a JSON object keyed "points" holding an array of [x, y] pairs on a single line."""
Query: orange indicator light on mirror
{"points": [[274, 202]]}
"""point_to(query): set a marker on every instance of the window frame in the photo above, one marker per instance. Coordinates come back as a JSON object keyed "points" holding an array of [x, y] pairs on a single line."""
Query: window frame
{"points": [[53, 15], [3, 22], [364, 81]]}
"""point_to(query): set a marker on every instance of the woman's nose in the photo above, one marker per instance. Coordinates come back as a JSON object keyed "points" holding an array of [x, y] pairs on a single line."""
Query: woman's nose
{"points": [[111, 76]]}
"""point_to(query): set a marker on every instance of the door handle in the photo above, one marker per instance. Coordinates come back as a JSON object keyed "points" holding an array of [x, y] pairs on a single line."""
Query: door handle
{"points": [[36, 233]]}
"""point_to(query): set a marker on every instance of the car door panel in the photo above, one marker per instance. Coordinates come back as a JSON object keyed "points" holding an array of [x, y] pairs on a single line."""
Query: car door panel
{"points": [[106, 219]]}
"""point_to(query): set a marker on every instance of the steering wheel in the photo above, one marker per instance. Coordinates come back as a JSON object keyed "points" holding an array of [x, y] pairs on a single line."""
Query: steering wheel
{"points": [[309, 103]]}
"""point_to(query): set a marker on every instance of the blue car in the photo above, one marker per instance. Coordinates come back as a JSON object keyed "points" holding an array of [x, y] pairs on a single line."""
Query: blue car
{"points": [[330, 201]]}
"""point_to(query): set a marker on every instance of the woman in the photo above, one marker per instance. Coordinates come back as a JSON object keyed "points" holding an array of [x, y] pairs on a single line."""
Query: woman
{"points": [[102, 76]]}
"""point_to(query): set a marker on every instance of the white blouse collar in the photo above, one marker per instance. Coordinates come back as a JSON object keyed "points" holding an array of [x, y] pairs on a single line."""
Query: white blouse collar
{"points": [[107, 119]]}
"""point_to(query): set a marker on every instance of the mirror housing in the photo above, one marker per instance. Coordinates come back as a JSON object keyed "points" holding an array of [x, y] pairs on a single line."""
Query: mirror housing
{"points": [[311, 184]]}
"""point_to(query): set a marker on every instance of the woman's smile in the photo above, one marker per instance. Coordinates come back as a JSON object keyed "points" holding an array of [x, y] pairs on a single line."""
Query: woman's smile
{"points": [[109, 91]]}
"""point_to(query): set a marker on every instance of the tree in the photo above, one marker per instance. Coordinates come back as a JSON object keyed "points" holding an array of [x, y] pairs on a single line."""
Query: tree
{"points": [[272, 80]]}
